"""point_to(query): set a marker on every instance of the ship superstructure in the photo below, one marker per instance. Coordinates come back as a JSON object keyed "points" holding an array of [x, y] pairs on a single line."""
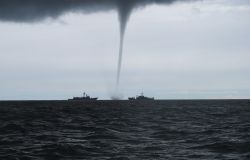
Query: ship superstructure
{"points": [[141, 97], [84, 97]]}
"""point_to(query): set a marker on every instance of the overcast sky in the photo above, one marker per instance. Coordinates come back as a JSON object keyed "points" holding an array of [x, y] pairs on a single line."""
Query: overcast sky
{"points": [[192, 50]]}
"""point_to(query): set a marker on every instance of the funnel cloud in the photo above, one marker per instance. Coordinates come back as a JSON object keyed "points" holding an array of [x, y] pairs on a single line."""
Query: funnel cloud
{"points": [[32, 11]]}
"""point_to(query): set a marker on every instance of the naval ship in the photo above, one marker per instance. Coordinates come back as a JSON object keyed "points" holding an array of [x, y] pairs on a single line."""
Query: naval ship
{"points": [[85, 97], [141, 97]]}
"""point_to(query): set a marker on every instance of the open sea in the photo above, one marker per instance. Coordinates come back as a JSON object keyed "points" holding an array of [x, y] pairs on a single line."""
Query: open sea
{"points": [[124, 130]]}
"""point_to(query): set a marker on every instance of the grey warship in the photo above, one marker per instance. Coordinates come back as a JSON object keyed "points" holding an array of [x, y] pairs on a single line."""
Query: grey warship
{"points": [[141, 97], [85, 97]]}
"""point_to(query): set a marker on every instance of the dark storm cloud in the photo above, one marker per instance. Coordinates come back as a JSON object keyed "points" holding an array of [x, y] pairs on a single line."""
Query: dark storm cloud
{"points": [[36, 10]]}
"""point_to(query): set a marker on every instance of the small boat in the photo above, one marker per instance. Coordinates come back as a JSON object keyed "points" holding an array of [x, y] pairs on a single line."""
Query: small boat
{"points": [[141, 97], [85, 97]]}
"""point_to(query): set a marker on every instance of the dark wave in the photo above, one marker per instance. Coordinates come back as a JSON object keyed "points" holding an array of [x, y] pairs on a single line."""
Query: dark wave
{"points": [[125, 130]]}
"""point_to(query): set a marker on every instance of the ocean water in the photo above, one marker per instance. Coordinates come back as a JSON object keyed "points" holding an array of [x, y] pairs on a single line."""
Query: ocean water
{"points": [[218, 129]]}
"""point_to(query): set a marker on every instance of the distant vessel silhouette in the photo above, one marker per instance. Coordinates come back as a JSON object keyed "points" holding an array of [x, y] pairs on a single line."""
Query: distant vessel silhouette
{"points": [[84, 98], [141, 97]]}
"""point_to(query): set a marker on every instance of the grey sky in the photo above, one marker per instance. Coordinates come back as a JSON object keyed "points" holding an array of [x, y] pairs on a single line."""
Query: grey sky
{"points": [[186, 50]]}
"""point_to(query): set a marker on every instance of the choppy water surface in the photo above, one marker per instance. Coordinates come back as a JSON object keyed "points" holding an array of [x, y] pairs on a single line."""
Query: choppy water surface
{"points": [[125, 130]]}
